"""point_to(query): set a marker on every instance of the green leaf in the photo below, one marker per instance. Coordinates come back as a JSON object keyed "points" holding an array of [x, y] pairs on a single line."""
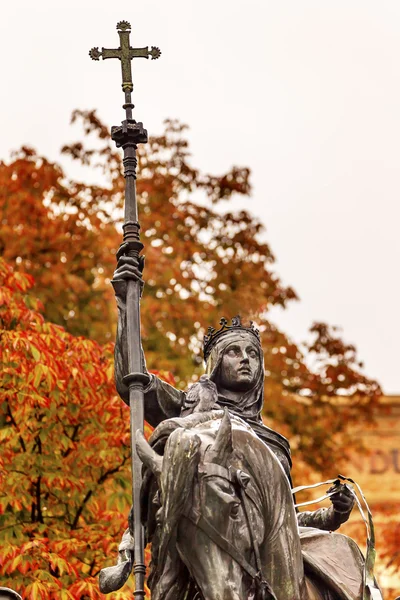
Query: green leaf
{"points": [[38, 375], [35, 353]]}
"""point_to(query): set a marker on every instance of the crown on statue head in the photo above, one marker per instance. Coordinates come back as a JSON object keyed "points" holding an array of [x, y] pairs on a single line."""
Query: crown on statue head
{"points": [[213, 335]]}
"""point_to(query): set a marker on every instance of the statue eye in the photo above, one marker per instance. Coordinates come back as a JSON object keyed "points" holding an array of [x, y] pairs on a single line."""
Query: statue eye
{"points": [[233, 351], [235, 509]]}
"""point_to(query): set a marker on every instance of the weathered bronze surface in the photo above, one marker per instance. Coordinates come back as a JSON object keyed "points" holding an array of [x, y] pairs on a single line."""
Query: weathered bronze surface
{"points": [[125, 53], [216, 495], [217, 502], [127, 136]]}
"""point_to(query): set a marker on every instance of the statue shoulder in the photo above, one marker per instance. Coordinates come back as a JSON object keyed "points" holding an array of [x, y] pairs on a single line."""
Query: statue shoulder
{"points": [[161, 401]]}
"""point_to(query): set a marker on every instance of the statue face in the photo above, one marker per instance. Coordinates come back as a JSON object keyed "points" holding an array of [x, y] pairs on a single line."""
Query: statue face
{"points": [[240, 365]]}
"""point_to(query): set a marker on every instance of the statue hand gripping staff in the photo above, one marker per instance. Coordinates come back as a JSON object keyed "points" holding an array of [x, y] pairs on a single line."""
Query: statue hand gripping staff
{"points": [[127, 136]]}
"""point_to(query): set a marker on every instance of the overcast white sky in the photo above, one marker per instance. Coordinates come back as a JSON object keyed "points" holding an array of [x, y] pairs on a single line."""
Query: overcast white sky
{"points": [[306, 93]]}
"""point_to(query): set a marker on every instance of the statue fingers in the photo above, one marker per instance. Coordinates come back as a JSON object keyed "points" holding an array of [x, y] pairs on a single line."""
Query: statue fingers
{"points": [[335, 488], [348, 490], [129, 261], [122, 250], [141, 263], [127, 272], [127, 544], [120, 280], [342, 502], [340, 489], [129, 268], [123, 256]]}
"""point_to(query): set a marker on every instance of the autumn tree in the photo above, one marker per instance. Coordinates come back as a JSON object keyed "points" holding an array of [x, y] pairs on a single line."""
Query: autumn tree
{"points": [[57, 231], [64, 438], [64, 465], [201, 263]]}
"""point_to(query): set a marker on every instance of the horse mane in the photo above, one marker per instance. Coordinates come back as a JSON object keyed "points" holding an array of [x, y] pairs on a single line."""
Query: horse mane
{"points": [[179, 447], [181, 457], [165, 428], [177, 441]]}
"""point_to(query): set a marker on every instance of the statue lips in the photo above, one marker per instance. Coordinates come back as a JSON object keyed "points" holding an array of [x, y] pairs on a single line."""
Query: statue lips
{"points": [[245, 370]]}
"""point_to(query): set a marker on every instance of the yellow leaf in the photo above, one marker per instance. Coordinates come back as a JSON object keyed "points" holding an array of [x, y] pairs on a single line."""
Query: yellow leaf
{"points": [[38, 375], [35, 353]]}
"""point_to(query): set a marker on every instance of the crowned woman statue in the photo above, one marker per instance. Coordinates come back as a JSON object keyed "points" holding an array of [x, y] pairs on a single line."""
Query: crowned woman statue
{"points": [[234, 380]]}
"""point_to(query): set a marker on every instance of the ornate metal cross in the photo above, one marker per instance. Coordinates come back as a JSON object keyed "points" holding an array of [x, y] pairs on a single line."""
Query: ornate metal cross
{"points": [[127, 136], [125, 54]]}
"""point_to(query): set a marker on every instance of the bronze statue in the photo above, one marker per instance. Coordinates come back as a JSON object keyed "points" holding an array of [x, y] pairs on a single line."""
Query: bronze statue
{"points": [[216, 498]]}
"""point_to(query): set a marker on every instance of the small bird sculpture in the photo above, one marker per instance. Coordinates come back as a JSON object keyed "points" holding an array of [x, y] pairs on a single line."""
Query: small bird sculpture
{"points": [[202, 396]]}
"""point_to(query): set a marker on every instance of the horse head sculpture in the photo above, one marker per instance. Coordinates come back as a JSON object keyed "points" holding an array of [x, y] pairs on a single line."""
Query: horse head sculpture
{"points": [[226, 516]]}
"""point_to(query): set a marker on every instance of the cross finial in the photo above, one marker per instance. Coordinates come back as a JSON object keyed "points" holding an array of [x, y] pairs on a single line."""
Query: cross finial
{"points": [[125, 54]]}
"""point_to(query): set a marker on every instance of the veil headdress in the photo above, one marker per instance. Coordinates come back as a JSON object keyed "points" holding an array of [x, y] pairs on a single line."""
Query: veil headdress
{"points": [[250, 403]]}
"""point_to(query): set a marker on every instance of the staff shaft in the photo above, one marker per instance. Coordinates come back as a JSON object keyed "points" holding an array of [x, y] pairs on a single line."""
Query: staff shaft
{"points": [[136, 404], [128, 136]]}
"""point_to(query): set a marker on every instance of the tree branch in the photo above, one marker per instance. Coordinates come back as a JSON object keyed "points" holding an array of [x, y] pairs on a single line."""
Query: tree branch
{"points": [[80, 509], [111, 472], [92, 565], [72, 438], [21, 441], [90, 492], [38, 500]]}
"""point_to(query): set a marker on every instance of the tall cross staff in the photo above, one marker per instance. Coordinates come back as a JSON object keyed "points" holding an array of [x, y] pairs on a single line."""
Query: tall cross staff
{"points": [[128, 136]]}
